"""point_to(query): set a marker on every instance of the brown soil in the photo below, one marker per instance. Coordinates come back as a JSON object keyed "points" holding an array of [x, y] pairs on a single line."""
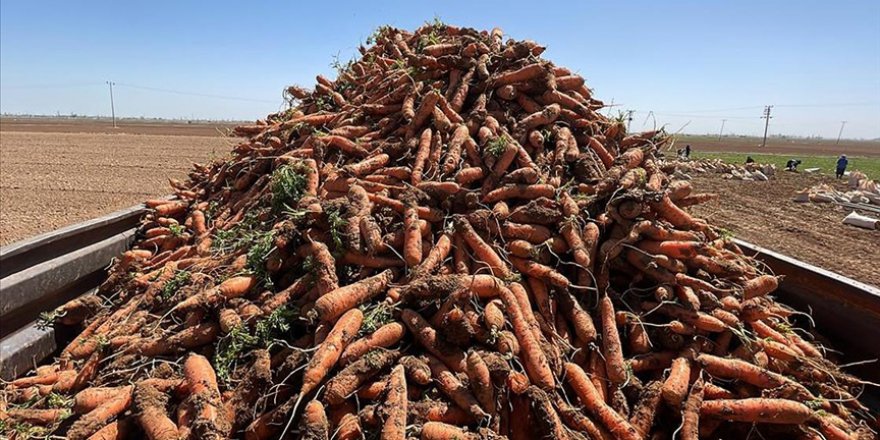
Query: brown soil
{"points": [[765, 214], [820, 147], [52, 179]]}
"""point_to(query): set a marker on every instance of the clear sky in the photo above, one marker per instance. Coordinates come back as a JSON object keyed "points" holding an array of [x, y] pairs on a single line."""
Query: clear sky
{"points": [[691, 63]]}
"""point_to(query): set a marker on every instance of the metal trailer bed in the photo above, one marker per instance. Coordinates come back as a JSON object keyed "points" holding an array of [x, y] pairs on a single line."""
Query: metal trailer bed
{"points": [[43, 272]]}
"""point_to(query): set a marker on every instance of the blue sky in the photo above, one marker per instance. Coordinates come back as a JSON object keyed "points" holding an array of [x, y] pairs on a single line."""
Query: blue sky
{"points": [[691, 63]]}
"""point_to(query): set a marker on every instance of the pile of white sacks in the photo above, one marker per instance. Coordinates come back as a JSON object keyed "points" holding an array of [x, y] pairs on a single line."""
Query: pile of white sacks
{"points": [[861, 190], [750, 171]]}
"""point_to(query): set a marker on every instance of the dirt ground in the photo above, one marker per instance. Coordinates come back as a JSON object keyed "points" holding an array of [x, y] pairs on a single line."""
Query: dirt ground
{"points": [[822, 147], [69, 173], [763, 213]]}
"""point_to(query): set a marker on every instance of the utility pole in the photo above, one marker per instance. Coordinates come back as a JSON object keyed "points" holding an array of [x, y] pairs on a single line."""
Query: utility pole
{"points": [[840, 133], [766, 118], [629, 119], [112, 107], [721, 132]]}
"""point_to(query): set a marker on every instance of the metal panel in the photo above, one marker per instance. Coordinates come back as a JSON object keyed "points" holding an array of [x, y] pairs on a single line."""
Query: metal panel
{"points": [[33, 251], [24, 349], [41, 287]]}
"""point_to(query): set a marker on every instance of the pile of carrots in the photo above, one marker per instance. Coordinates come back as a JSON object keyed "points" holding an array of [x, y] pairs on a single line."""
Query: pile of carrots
{"points": [[448, 241]]}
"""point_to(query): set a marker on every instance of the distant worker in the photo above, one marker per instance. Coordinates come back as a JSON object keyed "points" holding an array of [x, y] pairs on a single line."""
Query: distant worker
{"points": [[792, 165], [749, 159], [841, 165], [687, 151], [679, 153]]}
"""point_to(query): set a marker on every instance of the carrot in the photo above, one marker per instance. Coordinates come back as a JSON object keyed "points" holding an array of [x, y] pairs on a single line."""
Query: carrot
{"points": [[579, 318], [642, 417], [384, 337], [586, 392], [118, 430], [396, 406], [690, 424], [548, 419], [328, 352], [741, 370], [427, 337], [493, 316], [759, 286], [532, 357], [39, 417], [675, 215], [325, 266], [518, 191], [757, 410], [149, 407], [540, 271], [424, 149], [480, 382], [699, 320], [412, 249], [449, 384], [438, 253], [333, 304], [483, 252], [313, 425], [611, 347], [453, 152], [523, 74], [93, 421], [367, 166], [444, 431], [91, 398], [204, 394], [356, 374], [676, 385]]}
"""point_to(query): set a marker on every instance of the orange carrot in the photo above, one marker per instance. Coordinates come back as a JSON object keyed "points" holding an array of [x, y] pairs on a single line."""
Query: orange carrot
{"points": [[38, 417], [424, 149], [427, 337], [760, 286], [517, 191], [333, 304], [483, 252], [757, 410], [540, 271], [149, 407], [328, 352], [384, 337], [611, 348], [396, 406], [356, 374], [480, 382], [676, 385], [313, 425], [586, 392], [412, 248], [533, 358], [444, 431], [690, 424], [449, 384]]}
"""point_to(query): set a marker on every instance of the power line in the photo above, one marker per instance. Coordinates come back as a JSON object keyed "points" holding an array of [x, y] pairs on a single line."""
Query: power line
{"points": [[203, 95]]}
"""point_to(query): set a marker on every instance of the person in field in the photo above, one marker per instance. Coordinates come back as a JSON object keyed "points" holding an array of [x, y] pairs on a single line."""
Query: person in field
{"points": [[749, 159], [687, 151], [842, 162], [792, 165]]}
